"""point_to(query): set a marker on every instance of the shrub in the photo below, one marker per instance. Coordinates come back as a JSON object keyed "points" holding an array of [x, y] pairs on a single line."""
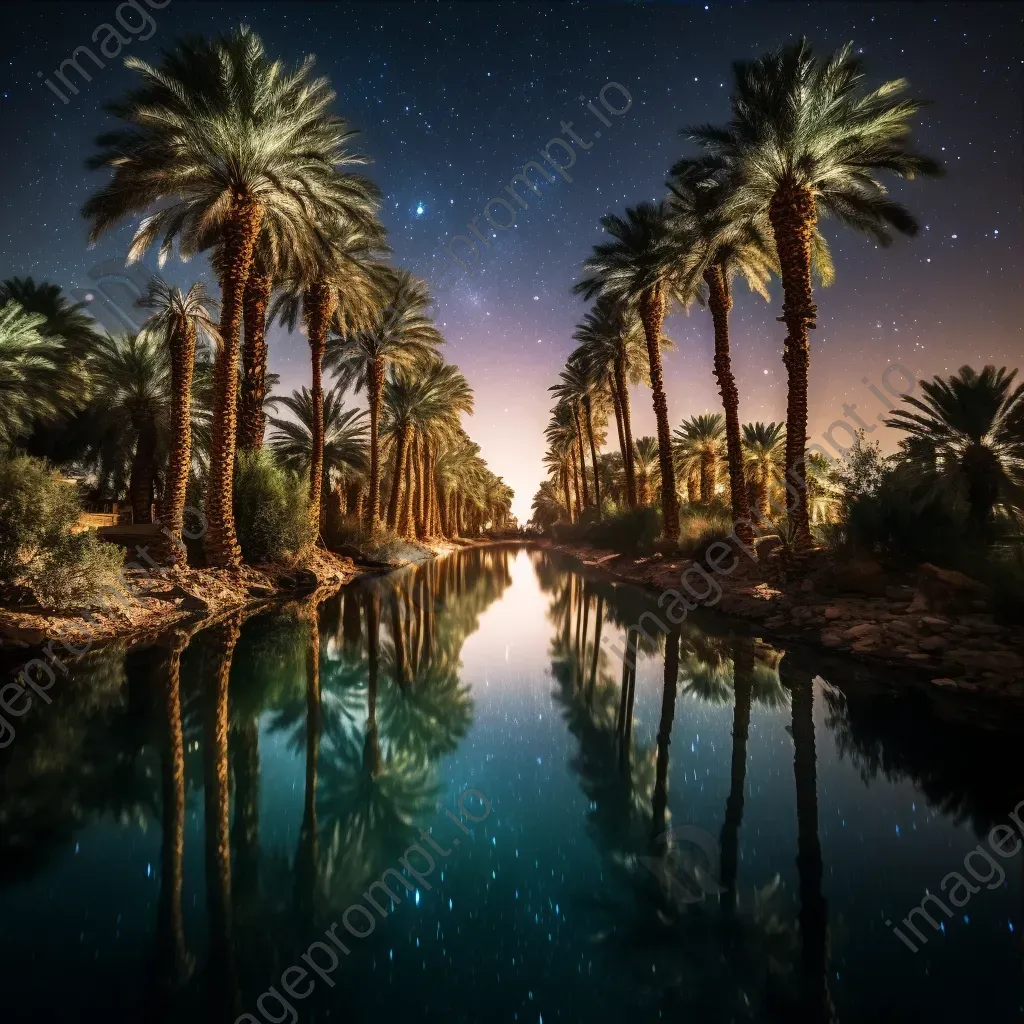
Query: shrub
{"points": [[76, 571], [37, 547], [271, 510], [700, 526], [632, 532]]}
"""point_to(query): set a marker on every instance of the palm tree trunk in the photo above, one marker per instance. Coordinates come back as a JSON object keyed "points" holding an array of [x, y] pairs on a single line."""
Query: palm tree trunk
{"points": [[371, 750], [652, 314], [143, 474], [576, 483], [318, 306], [179, 462], [589, 420], [628, 453], [568, 497], [405, 520], [763, 504], [251, 419], [693, 484], [401, 443], [668, 711], [743, 676], [707, 476], [720, 302], [170, 921], [429, 490], [239, 238], [793, 217], [376, 389], [595, 658], [419, 507], [583, 458]]}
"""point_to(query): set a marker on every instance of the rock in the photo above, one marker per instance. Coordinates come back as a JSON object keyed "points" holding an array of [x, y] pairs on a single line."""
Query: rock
{"points": [[945, 682], [901, 594], [864, 630], [986, 629], [959, 631], [767, 546], [184, 600], [830, 638], [807, 586], [918, 604], [22, 634], [833, 612], [861, 576], [918, 656], [259, 590], [865, 645], [935, 624], [775, 621], [949, 590], [982, 661], [933, 643]]}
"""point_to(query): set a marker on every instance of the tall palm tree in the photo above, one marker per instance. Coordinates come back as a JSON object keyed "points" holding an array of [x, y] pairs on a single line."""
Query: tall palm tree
{"points": [[638, 268], [698, 447], [345, 436], [336, 288], [30, 373], [131, 377], [968, 432], [400, 334], [179, 321], [720, 249], [764, 454], [805, 139], [577, 386], [266, 158], [612, 343]]}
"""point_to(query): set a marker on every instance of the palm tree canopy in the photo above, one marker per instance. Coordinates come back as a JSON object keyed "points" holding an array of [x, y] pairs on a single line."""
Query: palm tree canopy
{"points": [[218, 122], [970, 428], [804, 121], [699, 435], [401, 331], [31, 373], [62, 320], [345, 434], [171, 307], [643, 256]]}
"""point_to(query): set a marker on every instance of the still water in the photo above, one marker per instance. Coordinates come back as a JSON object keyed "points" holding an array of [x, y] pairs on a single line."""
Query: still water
{"points": [[718, 832]]}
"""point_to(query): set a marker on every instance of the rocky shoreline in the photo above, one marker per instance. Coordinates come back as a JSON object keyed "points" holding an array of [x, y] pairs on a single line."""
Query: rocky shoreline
{"points": [[936, 623]]}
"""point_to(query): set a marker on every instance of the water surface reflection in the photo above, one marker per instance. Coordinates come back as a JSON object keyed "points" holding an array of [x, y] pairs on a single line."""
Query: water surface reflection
{"points": [[187, 817]]}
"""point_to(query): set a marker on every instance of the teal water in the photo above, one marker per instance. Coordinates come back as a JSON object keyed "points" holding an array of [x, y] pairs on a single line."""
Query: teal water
{"points": [[719, 833]]}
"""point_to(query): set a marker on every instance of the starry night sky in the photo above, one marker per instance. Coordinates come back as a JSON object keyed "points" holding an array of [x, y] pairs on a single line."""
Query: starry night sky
{"points": [[453, 99]]}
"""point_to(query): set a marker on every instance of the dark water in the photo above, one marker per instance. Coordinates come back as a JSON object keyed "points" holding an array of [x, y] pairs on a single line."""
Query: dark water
{"points": [[718, 834]]}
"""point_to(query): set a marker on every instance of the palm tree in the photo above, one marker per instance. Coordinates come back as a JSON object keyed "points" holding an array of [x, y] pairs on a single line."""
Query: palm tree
{"points": [[968, 432], [131, 375], [400, 334], [698, 447], [575, 388], [337, 288], [265, 159], [562, 447], [804, 139], [720, 249], [30, 373], [344, 432], [764, 453], [179, 320], [638, 268], [612, 344], [647, 470]]}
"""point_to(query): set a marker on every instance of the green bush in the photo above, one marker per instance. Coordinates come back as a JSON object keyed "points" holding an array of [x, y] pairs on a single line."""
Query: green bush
{"points": [[631, 532], [271, 510], [38, 549], [700, 526], [76, 571]]}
